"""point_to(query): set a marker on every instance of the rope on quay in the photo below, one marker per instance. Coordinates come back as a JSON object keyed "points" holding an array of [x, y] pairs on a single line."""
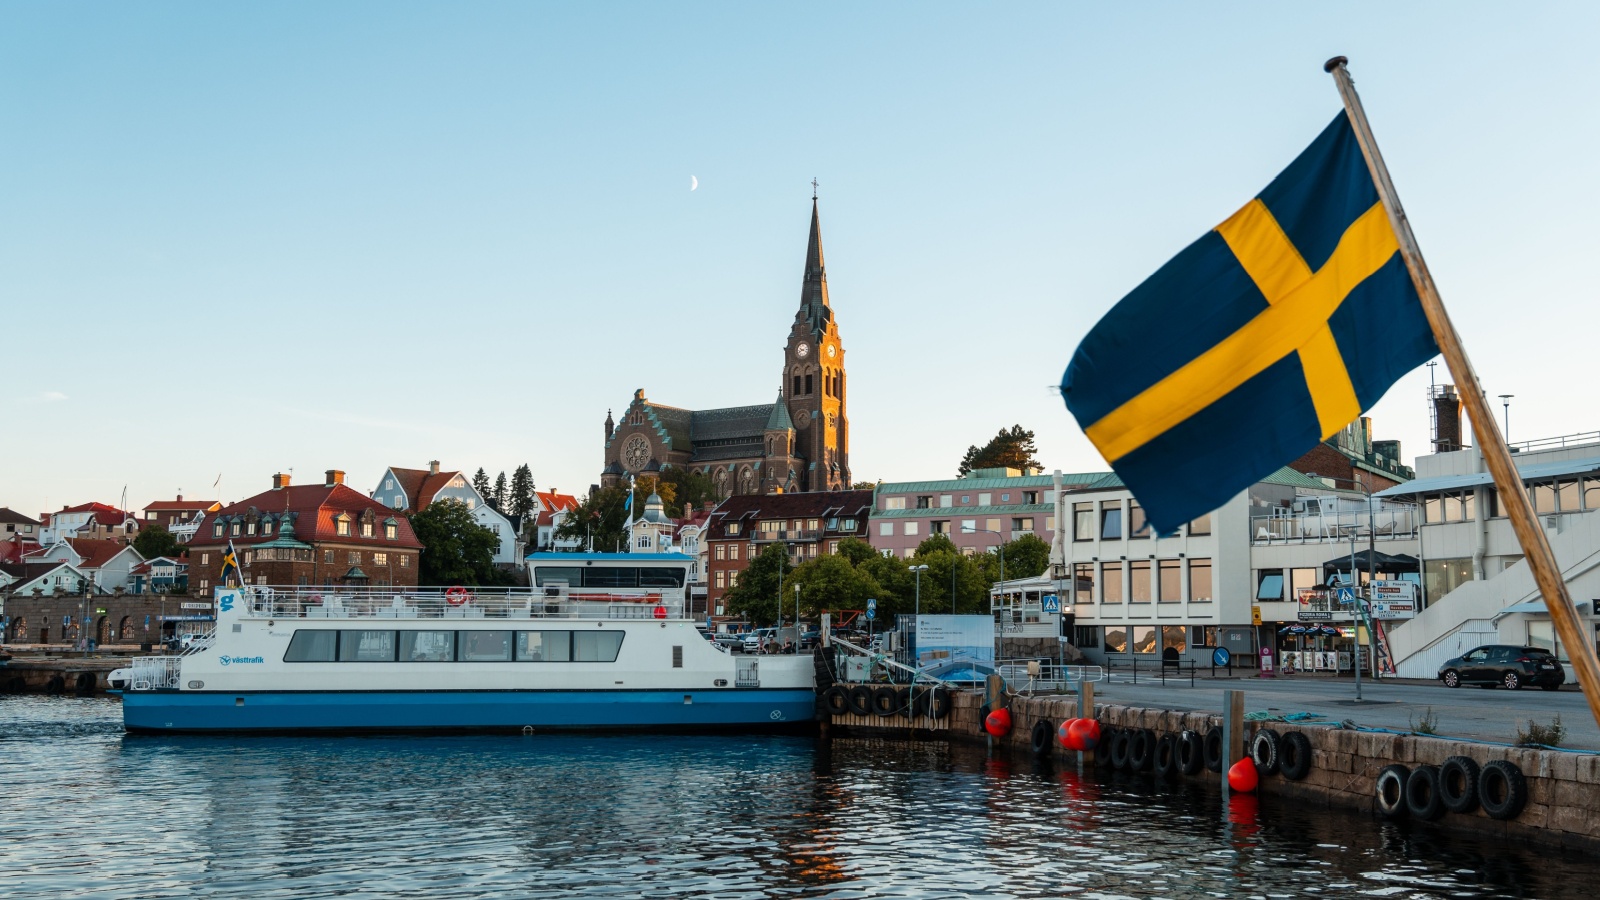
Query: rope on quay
{"points": [[1350, 725], [1266, 716]]}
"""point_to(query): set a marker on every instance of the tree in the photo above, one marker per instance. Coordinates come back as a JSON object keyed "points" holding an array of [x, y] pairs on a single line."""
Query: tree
{"points": [[598, 521], [1012, 449], [864, 486], [480, 483], [455, 548], [155, 540], [522, 500], [1026, 557], [755, 597], [653, 484], [502, 495], [690, 490]]}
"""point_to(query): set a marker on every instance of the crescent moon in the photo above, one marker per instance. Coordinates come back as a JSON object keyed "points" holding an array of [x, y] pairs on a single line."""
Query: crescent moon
{"points": [[693, 182]]}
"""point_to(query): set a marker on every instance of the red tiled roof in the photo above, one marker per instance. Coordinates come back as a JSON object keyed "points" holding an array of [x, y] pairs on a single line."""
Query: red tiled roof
{"points": [[555, 502], [181, 505], [15, 548], [314, 506], [812, 504], [95, 553], [421, 485], [432, 486], [103, 513]]}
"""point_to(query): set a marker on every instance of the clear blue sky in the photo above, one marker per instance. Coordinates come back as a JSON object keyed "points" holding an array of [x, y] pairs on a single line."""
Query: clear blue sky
{"points": [[240, 238]]}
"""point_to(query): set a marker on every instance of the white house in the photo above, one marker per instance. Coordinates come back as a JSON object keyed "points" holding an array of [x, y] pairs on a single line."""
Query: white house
{"points": [[554, 507], [415, 489], [88, 520], [109, 563]]}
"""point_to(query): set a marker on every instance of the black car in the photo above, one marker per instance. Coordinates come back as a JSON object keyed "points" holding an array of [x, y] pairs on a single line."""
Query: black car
{"points": [[1506, 665]]}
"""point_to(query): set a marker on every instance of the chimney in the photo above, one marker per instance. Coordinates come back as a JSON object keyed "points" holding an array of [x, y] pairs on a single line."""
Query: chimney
{"points": [[433, 467], [1447, 419], [280, 481], [335, 476], [180, 498]]}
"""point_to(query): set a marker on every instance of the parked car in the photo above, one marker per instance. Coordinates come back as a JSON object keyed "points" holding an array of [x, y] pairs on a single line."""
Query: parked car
{"points": [[729, 642], [753, 639], [810, 637], [1504, 664]]}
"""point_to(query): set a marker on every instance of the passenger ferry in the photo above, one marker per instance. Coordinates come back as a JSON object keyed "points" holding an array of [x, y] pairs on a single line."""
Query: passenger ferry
{"points": [[600, 641]]}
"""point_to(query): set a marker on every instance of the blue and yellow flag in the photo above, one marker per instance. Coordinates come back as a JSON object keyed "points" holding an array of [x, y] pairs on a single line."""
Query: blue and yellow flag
{"points": [[1264, 337], [230, 564]]}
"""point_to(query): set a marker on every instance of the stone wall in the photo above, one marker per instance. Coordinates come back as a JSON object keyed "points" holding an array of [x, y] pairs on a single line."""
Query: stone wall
{"points": [[1563, 787]]}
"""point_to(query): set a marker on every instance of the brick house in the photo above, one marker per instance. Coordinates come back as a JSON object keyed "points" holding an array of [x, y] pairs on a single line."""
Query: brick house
{"points": [[1352, 455], [180, 517], [978, 512], [809, 524], [326, 534], [88, 520]]}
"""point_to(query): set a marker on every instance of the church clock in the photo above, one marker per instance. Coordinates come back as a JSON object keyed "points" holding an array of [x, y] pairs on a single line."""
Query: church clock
{"points": [[636, 452], [802, 350], [832, 351]]}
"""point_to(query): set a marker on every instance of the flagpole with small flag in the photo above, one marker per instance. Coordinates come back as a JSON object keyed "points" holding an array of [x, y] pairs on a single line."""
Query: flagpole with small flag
{"points": [[1514, 500]]}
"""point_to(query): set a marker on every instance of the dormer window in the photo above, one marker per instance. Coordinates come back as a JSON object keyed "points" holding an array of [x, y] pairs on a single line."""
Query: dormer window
{"points": [[366, 529], [235, 529], [391, 530], [733, 527], [266, 526], [341, 525], [250, 528], [216, 530]]}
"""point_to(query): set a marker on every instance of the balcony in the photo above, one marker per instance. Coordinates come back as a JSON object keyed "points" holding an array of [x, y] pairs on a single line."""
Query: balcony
{"points": [[770, 536], [1286, 526]]}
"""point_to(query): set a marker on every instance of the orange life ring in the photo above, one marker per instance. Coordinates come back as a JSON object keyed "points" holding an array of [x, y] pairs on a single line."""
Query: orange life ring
{"points": [[457, 595]]}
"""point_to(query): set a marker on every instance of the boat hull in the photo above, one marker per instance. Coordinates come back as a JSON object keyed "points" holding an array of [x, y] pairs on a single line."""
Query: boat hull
{"points": [[174, 712]]}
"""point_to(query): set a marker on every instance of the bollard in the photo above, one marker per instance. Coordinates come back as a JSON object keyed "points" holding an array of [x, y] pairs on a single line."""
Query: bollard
{"points": [[1232, 732], [1086, 711]]}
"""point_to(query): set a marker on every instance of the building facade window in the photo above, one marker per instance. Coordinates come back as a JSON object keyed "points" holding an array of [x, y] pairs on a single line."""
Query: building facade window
{"points": [[1201, 525], [1169, 580], [1083, 521], [983, 499], [733, 552], [1021, 525], [380, 559], [1138, 526], [1200, 581], [1174, 637], [885, 529], [894, 503], [391, 531], [1083, 583], [1111, 520], [911, 529], [1139, 581], [1111, 582], [1116, 639], [718, 579], [721, 552], [1143, 639], [341, 527]]}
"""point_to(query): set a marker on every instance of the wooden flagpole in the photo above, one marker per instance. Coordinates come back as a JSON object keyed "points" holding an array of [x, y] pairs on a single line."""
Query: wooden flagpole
{"points": [[1513, 497]]}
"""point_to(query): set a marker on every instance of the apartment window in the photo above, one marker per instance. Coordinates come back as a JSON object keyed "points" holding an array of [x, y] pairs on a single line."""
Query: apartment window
{"points": [[911, 529], [770, 526], [733, 579], [1111, 582], [894, 503], [1083, 583], [266, 527], [733, 551], [1083, 521], [1021, 525], [833, 546], [924, 503], [1116, 639], [1302, 580], [250, 528], [1005, 498], [1169, 580], [1201, 525], [1200, 581], [1269, 584], [405, 561], [327, 556], [985, 499], [1138, 526], [1049, 523], [733, 527], [341, 527], [944, 501], [721, 552], [1139, 581], [380, 559], [992, 525], [813, 525], [388, 484], [391, 531], [235, 529], [366, 529], [969, 526], [205, 558], [355, 557], [719, 579], [1111, 520], [847, 524], [966, 499], [939, 526], [885, 529], [1030, 497]]}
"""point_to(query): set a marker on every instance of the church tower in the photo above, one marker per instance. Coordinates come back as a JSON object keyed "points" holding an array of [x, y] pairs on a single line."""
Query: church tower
{"points": [[814, 373]]}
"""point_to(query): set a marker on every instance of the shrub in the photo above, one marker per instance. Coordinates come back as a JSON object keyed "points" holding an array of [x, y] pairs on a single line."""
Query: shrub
{"points": [[1547, 735]]}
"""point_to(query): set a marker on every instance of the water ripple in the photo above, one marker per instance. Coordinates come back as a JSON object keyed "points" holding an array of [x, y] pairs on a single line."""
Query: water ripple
{"points": [[93, 813]]}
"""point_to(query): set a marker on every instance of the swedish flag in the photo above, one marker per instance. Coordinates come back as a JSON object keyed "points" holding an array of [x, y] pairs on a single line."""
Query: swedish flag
{"points": [[230, 564], [1264, 337]]}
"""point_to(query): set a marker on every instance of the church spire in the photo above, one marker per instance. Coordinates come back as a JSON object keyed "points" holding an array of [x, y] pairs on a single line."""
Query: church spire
{"points": [[814, 309]]}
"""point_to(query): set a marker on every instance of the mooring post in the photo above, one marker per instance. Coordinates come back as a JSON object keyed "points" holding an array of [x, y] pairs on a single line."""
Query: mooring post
{"points": [[1086, 711], [1232, 732]]}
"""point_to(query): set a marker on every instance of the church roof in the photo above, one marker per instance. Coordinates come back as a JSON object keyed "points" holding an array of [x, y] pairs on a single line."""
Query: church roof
{"points": [[814, 291], [732, 422], [779, 420]]}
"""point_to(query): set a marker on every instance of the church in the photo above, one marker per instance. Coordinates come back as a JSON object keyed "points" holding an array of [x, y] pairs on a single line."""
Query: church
{"points": [[801, 442]]}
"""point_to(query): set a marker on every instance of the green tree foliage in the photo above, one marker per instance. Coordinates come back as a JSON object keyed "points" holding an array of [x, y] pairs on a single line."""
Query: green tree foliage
{"points": [[155, 540], [1011, 448], [480, 483], [1026, 557], [690, 490], [501, 500], [599, 519], [455, 548], [522, 501], [863, 486], [954, 582], [755, 597]]}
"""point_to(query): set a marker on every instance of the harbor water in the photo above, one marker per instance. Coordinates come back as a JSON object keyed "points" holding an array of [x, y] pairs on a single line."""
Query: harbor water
{"points": [[91, 812]]}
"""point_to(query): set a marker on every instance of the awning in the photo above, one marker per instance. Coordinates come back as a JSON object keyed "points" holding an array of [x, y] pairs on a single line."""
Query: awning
{"points": [[1529, 472], [1537, 606], [1364, 562]]}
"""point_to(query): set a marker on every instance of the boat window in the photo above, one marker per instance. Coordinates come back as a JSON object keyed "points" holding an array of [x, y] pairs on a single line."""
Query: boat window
{"points": [[544, 646], [660, 578], [611, 577], [366, 646], [543, 575], [427, 646], [596, 646], [312, 646], [485, 646]]}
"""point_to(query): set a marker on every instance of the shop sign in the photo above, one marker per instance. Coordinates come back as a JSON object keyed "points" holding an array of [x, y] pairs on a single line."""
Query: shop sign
{"points": [[1314, 615], [206, 606]]}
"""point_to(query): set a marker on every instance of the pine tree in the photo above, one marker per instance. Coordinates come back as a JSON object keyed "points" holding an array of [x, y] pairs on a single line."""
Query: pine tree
{"points": [[502, 494], [480, 483], [522, 502]]}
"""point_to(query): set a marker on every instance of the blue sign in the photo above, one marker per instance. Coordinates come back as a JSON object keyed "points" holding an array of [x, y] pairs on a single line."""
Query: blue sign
{"points": [[66, 621], [871, 614], [1220, 656], [872, 604], [1346, 596], [1052, 603]]}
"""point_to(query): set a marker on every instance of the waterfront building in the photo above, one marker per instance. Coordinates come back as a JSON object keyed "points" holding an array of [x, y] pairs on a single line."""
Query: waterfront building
{"points": [[691, 542], [302, 535], [1476, 589], [414, 489], [978, 512], [652, 531], [160, 575], [800, 443], [109, 563], [553, 509], [182, 518], [808, 525], [15, 523], [88, 520]]}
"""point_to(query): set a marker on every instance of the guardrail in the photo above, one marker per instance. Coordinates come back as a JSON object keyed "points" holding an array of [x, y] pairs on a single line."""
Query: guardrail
{"points": [[1033, 675], [1160, 669], [888, 662], [462, 603]]}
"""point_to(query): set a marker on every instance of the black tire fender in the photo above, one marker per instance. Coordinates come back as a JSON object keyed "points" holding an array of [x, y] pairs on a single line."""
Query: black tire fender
{"points": [[1166, 756], [1294, 755], [939, 703], [902, 702], [859, 699], [1041, 737], [883, 702], [1390, 789], [1119, 749], [1191, 753], [1422, 794], [1141, 750], [1502, 790], [837, 702], [1265, 752], [1458, 784], [1213, 748]]}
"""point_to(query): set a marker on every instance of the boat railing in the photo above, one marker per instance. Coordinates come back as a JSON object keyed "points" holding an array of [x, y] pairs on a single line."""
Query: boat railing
{"points": [[464, 603], [154, 673]]}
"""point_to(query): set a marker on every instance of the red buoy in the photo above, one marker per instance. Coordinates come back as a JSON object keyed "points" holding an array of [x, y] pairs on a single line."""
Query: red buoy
{"points": [[1242, 776], [660, 611], [1085, 733], [998, 723], [1066, 737]]}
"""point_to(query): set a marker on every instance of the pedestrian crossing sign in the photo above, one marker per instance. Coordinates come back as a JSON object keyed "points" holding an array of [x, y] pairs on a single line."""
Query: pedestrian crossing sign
{"points": [[1052, 603]]}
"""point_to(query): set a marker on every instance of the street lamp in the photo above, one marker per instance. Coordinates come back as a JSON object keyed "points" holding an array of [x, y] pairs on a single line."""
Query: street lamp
{"points": [[917, 614], [1000, 545], [1505, 401], [1372, 566]]}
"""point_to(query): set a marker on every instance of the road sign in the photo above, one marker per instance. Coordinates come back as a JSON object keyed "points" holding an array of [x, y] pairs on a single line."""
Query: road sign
{"points": [[872, 604], [1052, 603], [871, 614], [1255, 615], [1346, 596]]}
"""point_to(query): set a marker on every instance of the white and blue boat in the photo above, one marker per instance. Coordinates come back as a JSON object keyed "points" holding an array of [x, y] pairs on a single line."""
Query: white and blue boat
{"points": [[599, 642]]}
